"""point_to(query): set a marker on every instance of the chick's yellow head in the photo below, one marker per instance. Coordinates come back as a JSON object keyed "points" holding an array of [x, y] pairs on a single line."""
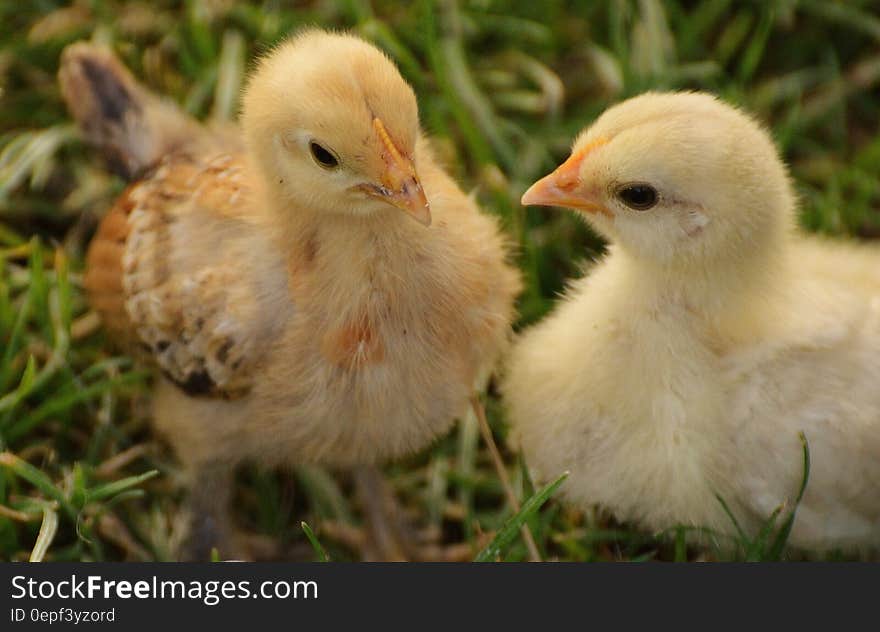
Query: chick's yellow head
{"points": [[674, 177], [333, 127]]}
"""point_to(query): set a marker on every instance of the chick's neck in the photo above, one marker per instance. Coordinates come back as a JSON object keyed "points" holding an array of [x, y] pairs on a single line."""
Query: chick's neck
{"points": [[735, 297], [354, 257]]}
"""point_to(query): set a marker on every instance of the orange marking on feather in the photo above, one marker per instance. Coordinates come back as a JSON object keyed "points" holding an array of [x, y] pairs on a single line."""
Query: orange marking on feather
{"points": [[354, 345]]}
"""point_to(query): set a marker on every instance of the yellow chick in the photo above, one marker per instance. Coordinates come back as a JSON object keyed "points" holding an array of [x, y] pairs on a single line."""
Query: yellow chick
{"points": [[689, 359], [313, 288]]}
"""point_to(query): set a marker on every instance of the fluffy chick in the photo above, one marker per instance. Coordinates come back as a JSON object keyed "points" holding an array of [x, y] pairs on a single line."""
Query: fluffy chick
{"points": [[313, 288], [689, 359]]}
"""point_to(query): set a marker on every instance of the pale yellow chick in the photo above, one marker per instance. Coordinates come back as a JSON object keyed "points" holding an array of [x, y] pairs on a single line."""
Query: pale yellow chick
{"points": [[313, 289], [693, 354]]}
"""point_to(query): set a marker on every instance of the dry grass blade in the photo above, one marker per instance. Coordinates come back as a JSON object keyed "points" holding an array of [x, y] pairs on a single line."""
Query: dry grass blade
{"points": [[114, 530], [121, 460], [47, 533], [15, 514], [85, 325], [230, 72], [31, 155], [501, 470]]}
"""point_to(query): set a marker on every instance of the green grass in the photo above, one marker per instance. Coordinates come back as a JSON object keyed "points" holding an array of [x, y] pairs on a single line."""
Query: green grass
{"points": [[82, 477]]}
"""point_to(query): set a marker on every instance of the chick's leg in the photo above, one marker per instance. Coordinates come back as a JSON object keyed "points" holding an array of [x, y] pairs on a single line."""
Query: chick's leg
{"points": [[204, 434], [209, 525], [391, 538]]}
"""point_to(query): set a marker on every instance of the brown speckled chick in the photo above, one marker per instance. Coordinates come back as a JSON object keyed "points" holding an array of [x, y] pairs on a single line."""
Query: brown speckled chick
{"points": [[314, 288]]}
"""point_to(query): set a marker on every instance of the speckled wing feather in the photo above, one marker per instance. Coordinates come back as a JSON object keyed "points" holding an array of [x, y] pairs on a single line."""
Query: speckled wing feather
{"points": [[180, 268], [158, 282]]}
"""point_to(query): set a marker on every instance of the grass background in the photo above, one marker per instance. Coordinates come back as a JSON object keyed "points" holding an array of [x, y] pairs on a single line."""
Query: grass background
{"points": [[503, 85]]}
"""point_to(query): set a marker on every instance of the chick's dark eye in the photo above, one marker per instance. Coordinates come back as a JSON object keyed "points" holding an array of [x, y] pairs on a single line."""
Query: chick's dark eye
{"points": [[640, 197], [323, 156]]}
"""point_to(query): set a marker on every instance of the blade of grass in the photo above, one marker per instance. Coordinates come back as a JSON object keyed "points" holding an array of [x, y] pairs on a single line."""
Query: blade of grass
{"points": [[61, 403], [230, 72], [11, 400], [511, 528], [784, 532], [739, 530], [503, 476], [14, 342], [680, 545], [109, 490], [48, 529], [38, 479], [313, 540], [755, 549]]}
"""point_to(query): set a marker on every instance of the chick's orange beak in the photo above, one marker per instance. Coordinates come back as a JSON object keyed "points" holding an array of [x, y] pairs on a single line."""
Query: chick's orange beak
{"points": [[563, 186], [400, 183]]}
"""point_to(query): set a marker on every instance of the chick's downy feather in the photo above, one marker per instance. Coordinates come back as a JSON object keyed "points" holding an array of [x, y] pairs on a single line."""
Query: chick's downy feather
{"points": [[297, 311], [688, 360]]}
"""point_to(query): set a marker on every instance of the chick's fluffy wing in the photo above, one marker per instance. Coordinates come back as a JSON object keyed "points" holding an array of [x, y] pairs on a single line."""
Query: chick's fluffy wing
{"points": [[180, 272]]}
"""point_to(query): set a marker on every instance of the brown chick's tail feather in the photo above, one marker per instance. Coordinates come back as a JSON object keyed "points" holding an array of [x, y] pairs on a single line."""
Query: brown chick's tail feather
{"points": [[131, 126]]}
